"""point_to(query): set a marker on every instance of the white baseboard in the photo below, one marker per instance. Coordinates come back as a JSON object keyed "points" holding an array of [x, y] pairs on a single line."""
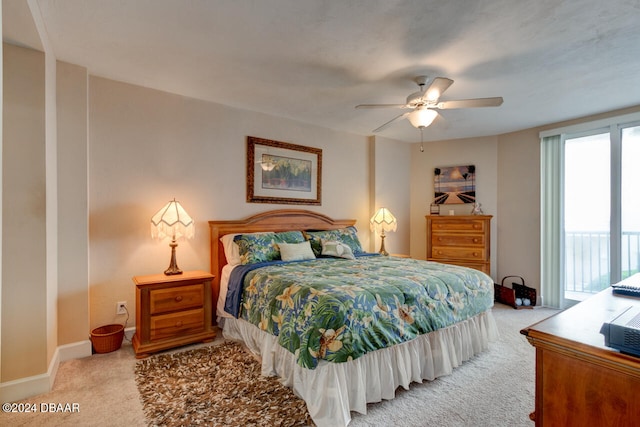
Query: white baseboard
{"points": [[22, 388], [129, 332], [75, 350]]}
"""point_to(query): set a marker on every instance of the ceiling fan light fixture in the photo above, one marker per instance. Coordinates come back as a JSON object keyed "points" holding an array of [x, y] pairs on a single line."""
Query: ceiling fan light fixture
{"points": [[422, 117]]}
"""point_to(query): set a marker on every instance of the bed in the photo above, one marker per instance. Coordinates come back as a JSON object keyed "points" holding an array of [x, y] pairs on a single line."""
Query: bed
{"points": [[340, 326]]}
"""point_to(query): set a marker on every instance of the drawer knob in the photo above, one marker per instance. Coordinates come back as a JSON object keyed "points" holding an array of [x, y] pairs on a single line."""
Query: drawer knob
{"points": [[475, 254], [475, 240], [178, 298], [178, 324]]}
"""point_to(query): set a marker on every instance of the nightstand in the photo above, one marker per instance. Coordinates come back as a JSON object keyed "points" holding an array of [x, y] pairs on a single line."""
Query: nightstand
{"points": [[172, 311]]}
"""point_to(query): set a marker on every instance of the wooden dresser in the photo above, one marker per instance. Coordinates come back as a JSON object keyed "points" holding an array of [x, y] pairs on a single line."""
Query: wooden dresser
{"points": [[460, 240], [172, 311], [580, 381]]}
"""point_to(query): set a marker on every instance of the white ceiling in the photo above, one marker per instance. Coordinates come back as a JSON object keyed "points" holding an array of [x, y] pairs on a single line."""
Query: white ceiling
{"points": [[314, 60]]}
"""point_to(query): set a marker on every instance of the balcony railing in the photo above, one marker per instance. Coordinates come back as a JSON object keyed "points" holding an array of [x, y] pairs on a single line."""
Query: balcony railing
{"points": [[587, 260]]}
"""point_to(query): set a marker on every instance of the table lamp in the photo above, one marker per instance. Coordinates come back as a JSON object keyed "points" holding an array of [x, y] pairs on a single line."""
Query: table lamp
{"points": [[172, 221], [383, 221]]}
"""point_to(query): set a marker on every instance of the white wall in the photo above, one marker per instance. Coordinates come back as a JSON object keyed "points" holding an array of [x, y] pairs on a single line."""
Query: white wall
{"points": [[147, 147]]}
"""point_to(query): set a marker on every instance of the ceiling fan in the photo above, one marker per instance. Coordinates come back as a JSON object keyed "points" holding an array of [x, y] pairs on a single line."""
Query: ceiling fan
{"points": [[424, 103]]}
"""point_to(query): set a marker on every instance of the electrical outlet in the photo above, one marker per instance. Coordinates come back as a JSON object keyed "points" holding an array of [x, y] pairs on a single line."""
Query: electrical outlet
{"points": [[121, 307]]}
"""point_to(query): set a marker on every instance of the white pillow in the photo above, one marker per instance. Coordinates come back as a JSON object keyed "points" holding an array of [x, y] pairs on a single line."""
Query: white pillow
{"points": [[337, 249], [231, 249], [296, 251]]}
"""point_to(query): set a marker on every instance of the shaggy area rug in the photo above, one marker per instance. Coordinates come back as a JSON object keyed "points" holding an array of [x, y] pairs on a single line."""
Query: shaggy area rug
{"points": [[218, 385]]}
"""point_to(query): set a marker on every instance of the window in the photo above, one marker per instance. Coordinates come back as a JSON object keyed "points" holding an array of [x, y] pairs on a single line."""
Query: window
{"points": [[587, 186], [590, 208], [630, 202]]}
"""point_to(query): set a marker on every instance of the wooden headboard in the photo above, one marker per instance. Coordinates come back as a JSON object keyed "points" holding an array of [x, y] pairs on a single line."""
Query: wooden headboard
{"points": [[276, 220]]}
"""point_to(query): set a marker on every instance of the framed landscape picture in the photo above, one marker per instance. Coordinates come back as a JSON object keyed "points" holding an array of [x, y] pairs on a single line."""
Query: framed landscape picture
{"points": [[279, 172], [455, 185]]}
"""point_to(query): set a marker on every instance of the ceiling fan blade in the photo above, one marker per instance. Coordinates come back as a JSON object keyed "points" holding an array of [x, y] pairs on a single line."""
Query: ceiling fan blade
{"points": [[436, 88], [382, 106], [384, 126], [471, 103]]}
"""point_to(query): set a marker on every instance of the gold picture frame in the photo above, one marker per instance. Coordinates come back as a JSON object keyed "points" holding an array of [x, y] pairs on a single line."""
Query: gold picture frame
{"points": [[280, 172]]}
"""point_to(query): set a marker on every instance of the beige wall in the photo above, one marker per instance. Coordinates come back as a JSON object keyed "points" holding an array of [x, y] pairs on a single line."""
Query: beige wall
{"points": [[518, 239], [24, 310], [389, 188], [481, 152], [73, 229], [147, 147]]}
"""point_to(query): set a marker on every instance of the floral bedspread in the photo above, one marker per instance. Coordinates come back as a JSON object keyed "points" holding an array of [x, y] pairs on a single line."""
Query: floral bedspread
{"points": [[338, 310]]}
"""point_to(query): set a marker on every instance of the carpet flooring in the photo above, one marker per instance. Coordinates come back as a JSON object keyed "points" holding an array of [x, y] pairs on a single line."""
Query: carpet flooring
{"points": [[495, 388]]}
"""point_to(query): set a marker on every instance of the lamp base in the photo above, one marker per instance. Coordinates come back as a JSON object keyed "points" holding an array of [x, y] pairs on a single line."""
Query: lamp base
{"points": [[172, 270], [382, 250], [173, 266]]}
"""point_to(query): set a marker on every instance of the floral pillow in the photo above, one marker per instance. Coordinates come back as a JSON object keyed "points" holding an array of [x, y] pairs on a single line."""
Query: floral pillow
{"points": [[336, 249], [348, 236], [263, 247]]}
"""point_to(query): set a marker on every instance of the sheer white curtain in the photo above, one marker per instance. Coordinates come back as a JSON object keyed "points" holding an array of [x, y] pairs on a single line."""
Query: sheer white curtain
{"points": [[551, 214]]}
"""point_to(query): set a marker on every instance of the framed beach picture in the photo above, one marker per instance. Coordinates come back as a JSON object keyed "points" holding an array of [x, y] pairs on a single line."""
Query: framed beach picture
{"points": [[279, 172], [455, 185]]}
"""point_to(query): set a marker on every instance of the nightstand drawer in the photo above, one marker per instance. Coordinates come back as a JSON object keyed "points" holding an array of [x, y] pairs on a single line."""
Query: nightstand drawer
{"points": [[176, 324], [459, 253], [177, 298], [458, 239]]}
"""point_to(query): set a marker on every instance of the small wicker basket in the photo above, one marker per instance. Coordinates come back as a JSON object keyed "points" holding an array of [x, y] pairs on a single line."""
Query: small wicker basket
{"points": [[107, 338]]}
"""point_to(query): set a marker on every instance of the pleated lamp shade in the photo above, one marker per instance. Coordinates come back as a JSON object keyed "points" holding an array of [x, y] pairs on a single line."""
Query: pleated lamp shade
{"points": [[383, 220], [172, 221]]}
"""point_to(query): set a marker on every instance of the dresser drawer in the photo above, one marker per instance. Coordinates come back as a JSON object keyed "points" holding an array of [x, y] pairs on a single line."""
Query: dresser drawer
{"points": [[459, 253], [442, 239], [176, 298], [176, 324], [454, 224]]}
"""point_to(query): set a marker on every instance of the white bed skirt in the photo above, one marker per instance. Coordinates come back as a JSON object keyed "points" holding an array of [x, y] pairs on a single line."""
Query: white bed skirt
{"points": [[333, 390]]}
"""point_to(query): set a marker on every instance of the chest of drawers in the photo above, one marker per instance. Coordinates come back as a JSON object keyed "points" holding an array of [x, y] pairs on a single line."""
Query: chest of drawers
{"points": [[463, 240], [172, 311]]}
